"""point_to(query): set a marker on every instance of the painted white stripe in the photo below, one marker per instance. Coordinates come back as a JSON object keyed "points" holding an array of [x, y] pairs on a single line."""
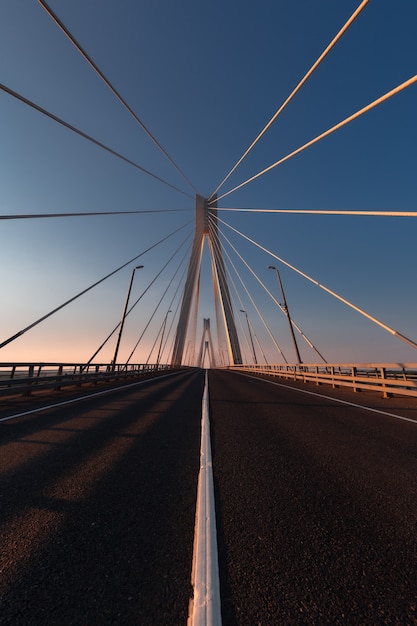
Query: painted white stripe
{"points": [[205, 605], [87, 397], [320, 395]]}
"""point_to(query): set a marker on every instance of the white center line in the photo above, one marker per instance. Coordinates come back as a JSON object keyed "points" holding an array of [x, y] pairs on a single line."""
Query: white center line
{"points": [[204, 607]]}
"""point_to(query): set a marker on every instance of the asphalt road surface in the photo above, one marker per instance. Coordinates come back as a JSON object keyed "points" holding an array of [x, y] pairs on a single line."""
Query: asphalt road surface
{"points": [[98, 508], [316, 505]]}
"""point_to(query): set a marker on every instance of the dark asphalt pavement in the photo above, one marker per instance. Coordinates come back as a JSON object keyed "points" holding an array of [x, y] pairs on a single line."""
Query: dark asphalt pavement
{"points": [[98, 508], [316, 506]]}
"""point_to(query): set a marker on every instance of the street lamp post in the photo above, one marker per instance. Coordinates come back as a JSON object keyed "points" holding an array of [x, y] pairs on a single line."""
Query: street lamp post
{"points": [[251, 338], [287, 313], [122, 323]]}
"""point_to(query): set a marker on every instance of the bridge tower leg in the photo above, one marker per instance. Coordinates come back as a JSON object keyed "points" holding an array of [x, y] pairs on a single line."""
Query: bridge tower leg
{"points": [[221, 289]]}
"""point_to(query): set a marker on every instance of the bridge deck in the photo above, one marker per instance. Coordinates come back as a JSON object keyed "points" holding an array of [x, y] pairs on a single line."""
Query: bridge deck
{"points": [[316, 505]]}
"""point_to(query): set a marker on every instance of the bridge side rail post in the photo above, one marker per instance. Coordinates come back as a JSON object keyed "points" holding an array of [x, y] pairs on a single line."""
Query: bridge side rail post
{"points": [[30, 378], [385, 394], [60, 368], [80, 367]]}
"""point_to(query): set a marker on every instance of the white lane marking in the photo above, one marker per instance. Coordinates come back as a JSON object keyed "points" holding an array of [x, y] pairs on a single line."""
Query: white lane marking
{"points": [[320, 395], [205, 606], [79, 399]]}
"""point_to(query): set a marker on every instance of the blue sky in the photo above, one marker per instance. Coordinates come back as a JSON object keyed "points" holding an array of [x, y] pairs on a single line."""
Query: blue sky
{"points": [[205, 78]]}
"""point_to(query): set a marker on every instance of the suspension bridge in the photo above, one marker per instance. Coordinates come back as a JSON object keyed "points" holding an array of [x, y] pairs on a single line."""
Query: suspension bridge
{"points": [[196, 426]]}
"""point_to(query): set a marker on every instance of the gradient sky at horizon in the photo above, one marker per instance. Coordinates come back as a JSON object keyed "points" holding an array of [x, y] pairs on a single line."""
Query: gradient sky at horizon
{"points": [[205, 78]]}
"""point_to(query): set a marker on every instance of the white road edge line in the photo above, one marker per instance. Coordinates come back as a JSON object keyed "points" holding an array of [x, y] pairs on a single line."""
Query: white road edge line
{"points": [[320, 395], [79, 399], [204, 609]]}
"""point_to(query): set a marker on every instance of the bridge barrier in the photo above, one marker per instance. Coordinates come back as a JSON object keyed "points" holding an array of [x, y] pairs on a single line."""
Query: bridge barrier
{"points": [[388, 378], [24, 378]]}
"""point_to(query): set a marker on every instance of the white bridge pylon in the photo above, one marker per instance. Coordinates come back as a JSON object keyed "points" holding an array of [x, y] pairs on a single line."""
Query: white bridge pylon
{"points": [[206, 229]]}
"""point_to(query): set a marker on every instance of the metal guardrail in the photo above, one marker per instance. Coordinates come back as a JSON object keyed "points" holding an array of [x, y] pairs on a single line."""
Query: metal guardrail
{"points": [[388, 378], [24, 378]]}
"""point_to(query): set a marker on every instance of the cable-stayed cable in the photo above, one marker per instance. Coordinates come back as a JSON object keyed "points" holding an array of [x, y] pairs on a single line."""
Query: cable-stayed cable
{"points": [[324, 212], [297, 88], [53, 117], [163, 325], [310, 344], [221, 296], [180, 282], [44, 317], [26, 216], [242, 306], [331, 130], [162, 297], [329, 291], [109, 336], [219, 275], [171, 349], [256, 307], [250, 297], [131, 308], [112, 88], [252, 301]]}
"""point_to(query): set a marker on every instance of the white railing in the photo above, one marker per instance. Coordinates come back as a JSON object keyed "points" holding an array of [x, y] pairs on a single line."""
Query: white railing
{"points": [[388, 378], [18, 378]]}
